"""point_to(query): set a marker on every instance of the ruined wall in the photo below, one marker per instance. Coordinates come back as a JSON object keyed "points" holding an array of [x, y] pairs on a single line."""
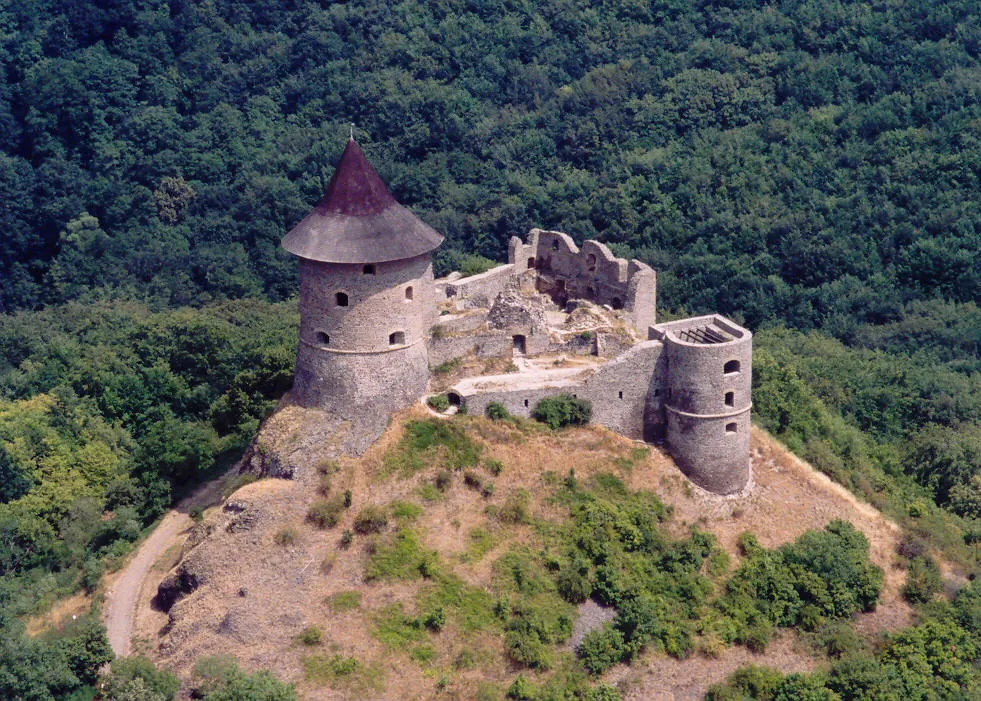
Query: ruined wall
{"points": [[707, 404], [620, 391], [481, 345], [478, 290], [594, 273]]}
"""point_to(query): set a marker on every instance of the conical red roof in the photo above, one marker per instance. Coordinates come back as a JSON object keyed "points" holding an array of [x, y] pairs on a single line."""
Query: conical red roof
{"points": [[358, 220]]}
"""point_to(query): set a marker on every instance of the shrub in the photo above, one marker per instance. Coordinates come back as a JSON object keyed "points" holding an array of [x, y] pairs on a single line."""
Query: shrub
{"points": [[922, 580], [497, 411], [472, 479], [347, 498], [601, 649], [495, 467], [311, 636], [347, 537], [574, 584], [439, 402], [370, 520], [436, 619], [444, 478], [323, 486], [138, 678], [286, 536], [515, 508], [325, 513], [562, 410]]}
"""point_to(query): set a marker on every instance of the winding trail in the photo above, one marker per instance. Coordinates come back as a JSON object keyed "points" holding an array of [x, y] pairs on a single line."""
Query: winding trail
{"points": [[128, 587]]}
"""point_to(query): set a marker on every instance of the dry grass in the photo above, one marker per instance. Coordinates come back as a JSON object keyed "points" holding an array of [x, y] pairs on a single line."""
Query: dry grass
{"points": [[59, 614], [288, 592]]}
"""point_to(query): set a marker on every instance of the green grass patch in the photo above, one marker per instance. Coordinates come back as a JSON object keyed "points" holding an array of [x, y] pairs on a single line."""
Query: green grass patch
{"points": [[401, 556], [470, 608], [432, 442], [396, 630], [405, 511], [423, 654], [480, 541], [345, 601], [430, 492], [346, 672]]}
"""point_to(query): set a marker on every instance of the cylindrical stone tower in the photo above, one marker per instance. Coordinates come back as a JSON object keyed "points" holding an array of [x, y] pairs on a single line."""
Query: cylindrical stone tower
{"points": [[709, 376], [366, 296]]}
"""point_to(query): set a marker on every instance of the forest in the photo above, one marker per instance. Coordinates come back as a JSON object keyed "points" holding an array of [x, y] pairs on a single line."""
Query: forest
{"points": [[808, 167]]}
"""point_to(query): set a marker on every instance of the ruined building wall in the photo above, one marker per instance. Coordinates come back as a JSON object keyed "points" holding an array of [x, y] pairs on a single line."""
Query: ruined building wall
{"points": [[365, 351], [566, 272], [621, 391], [707, 404]]}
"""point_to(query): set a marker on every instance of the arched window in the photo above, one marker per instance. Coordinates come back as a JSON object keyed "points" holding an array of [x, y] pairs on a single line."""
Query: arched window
{"points": [[591, 263], [731, 428], [397, 338], [323, 339], [731, 368], [369, 269], [730, 399], [408, 292], [340, 299]]}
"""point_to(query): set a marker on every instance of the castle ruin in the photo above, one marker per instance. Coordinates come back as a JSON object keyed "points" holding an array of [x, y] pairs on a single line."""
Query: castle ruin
{"points": [[579, 321]]}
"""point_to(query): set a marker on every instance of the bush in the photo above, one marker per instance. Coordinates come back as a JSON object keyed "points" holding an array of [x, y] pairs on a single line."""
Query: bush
{"points": [[325, 513], [444, 478], [601, 649], [439, 402], [138, 678], [922, 580], [286, 536], [495, 467], [370, 520], [497, 411], [311, 636], [436, 619], [562, 410], [472, 479]]}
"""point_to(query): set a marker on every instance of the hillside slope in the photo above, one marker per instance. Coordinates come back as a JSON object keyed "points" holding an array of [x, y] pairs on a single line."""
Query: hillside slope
{"points": [[261, 582]]}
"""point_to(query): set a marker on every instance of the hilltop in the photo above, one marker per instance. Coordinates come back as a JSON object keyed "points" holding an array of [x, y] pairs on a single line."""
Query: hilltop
{"points": [[265, 584]]}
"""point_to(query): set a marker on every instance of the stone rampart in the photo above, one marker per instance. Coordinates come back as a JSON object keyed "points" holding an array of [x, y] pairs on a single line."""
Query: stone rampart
{"points": [[479, 290]]}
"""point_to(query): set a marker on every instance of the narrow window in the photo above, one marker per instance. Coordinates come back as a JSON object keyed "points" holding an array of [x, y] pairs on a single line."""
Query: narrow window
{"points": [[591, 262], [340, 299], [731, 368], [621, 395], [369, 269], [396, 339], [555, 244], [731, 428], [657, 393], [526, 402], [730, 399], [408, 292], [617, 303], [323, 339], [531, 263]]}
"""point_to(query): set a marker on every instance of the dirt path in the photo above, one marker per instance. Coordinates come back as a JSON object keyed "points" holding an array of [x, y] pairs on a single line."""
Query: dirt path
{"points": [[127, 587]]}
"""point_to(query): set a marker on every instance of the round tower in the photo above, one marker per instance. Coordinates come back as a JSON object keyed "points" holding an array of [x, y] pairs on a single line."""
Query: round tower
{"points": [[709, 383], [366, 296]]}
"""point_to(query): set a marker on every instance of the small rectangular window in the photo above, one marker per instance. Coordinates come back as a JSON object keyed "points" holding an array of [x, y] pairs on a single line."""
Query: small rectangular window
{"points": [[730, 399], [731, 428], [369, 269], [620, 395]]}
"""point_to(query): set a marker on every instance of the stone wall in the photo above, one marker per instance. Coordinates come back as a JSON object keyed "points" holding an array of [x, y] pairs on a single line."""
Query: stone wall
{"points": [[621, 391], [481, 345], [478, 290], [567, 272]]}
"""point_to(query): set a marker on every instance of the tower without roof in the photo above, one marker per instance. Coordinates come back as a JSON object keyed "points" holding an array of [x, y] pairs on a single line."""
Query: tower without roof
{"points": [[366, 296]]}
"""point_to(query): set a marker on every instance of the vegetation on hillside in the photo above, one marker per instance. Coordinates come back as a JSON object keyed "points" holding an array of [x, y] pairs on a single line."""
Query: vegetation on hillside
{"points": [[803, 164]]}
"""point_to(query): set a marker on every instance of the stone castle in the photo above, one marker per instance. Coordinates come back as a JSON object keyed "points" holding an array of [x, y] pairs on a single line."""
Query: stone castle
{"points": [[579, 321]]}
